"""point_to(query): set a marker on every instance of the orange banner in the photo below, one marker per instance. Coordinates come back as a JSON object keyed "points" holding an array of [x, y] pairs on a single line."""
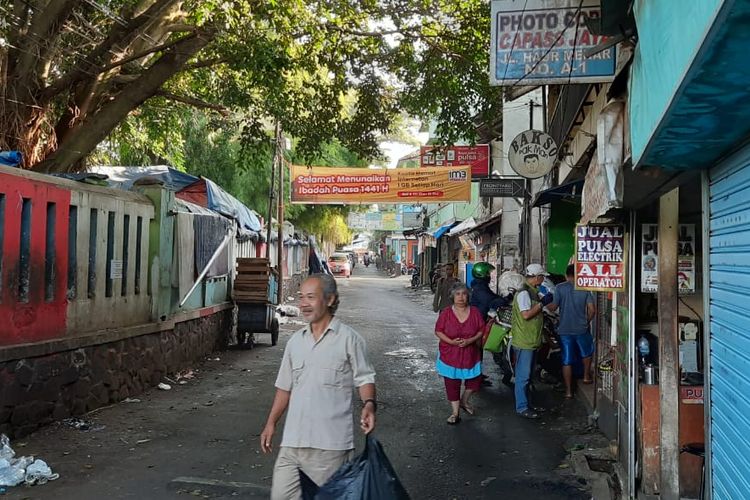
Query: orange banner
{"points": [[319, 185]]}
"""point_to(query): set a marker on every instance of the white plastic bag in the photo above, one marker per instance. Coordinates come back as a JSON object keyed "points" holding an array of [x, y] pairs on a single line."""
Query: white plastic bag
{"points": [[10, 474], [39, 473], [6, 451]]}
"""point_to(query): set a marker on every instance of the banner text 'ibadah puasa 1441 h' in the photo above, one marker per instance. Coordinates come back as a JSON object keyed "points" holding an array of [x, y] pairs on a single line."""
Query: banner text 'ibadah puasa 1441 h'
{"points": [[354, 186]]}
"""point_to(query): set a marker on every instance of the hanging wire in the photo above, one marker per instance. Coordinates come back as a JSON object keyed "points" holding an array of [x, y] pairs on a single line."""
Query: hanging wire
{"points": [[515, 38], [552, 46]]}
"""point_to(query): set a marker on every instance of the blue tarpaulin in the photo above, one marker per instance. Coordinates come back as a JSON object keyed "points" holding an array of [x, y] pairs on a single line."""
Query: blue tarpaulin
{"points": [[125, 177], [226, 204], [10, 158], [443, 229]]}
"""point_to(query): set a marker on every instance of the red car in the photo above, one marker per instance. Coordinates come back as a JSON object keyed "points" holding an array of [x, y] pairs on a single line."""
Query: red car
{"points": [[339, 264]]}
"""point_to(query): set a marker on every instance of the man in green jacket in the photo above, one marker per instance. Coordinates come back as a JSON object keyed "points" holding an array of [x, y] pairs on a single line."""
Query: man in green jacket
{"points": [[526, 330]]}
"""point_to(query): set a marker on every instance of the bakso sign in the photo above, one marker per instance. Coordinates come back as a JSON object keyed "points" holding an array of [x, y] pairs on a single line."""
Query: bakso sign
{"points": [[600, 257], [532, 154]]}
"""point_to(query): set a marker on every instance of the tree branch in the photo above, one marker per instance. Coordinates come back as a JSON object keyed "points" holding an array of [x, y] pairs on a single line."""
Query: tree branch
{"points": [[192, 101], [85, 136], [206, 63], [118, 35]]}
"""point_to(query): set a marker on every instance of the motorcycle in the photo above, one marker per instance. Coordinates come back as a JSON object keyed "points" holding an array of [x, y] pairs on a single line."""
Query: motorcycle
{"points": [[548, 359], [415, 277]]}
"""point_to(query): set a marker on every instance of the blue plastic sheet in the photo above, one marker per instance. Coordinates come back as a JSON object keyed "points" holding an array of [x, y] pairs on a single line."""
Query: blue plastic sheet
{"points": [[10, 158], [226, 204]]}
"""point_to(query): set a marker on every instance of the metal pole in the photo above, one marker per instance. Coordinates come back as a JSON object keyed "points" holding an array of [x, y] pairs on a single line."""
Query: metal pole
{"points": [[706, 266], [544, 108], [280, 161], [632, 356], [669, 348], [203, 273], [531, 114], [270, 201]]}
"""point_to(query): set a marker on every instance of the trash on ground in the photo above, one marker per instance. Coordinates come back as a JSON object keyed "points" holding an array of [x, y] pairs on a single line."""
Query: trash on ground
{"points": [[16, 470], [82, 425], [142, 441], [131, 400], [164, 387], [186, 375], [488, 481], [288, 310]]}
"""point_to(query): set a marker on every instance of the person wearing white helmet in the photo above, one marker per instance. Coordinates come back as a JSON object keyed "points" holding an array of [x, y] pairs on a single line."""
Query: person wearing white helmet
{"points": [[526, 330]]}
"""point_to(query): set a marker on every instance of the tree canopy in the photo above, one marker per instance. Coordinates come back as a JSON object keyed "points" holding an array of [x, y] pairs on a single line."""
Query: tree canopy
{"points": [[73, 73]]}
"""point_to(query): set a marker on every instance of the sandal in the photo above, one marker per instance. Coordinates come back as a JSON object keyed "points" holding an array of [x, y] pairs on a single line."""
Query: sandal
{"points": [[529, 414], [468, 408], [453, 419]]}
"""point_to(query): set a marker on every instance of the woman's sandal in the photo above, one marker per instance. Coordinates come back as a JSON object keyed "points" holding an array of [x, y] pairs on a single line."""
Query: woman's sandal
{"points": [[468, 409], [453, 419]]}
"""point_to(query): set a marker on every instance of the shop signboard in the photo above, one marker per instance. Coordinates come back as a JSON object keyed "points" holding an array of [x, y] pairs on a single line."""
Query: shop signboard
{"points": [[532, 154], [600, 257], [477, 157], [543, 42], [508, 187], [685, 259], [333, 185]]}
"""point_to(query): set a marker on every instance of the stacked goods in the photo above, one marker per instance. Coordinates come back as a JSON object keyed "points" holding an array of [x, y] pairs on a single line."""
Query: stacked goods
{"points": [[252, 281]]}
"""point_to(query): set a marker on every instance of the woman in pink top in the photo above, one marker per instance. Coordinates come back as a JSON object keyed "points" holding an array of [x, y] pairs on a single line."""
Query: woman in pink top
{"points": [[459, 327]]}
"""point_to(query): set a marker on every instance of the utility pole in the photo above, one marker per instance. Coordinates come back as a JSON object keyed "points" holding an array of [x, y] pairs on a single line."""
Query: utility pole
{"points": [[279, 156], [271, 187]]}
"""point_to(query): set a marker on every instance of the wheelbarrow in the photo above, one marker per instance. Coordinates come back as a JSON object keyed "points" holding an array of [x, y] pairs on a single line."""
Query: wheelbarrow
{"points": [[256, 318]]}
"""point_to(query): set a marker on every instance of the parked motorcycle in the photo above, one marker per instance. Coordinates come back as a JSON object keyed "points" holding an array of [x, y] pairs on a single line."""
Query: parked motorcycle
{"points": [[548, 367], [415, 278]]}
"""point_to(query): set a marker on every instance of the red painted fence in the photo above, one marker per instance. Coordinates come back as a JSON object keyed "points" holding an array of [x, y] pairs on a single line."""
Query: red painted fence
{"points": [[33, 260]]}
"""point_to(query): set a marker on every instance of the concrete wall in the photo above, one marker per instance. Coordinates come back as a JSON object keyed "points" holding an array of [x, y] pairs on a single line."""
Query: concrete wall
{"points": [[36, 390]]}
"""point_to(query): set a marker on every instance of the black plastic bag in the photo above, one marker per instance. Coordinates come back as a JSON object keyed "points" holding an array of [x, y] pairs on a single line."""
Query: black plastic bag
{"points": [[370, 476]]}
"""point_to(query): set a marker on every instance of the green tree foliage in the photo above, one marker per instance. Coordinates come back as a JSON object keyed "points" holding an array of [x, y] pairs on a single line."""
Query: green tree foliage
{"points": [[73, 72]]}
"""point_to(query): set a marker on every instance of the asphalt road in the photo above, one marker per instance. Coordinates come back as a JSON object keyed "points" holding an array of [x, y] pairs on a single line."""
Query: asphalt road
{"points": [[200, 439]]}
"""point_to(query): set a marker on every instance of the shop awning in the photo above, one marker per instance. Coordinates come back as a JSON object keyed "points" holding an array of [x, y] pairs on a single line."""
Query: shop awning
{"points": [[697, 113], [464, 227], [568, 191], [443, 229]]}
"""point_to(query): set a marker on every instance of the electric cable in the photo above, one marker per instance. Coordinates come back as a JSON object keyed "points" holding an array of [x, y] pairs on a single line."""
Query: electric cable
{"points": [[552, 46]]}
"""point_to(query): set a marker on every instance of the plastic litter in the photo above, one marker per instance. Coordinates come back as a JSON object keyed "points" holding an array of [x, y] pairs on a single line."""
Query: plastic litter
{"points": [[39, 473], [369, 476], [14, 471], [6, 452], [288, 310], [164, 387]]}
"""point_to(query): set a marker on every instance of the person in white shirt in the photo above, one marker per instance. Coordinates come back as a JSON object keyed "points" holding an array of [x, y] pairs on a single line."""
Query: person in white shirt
{"points": [[322, 364]]}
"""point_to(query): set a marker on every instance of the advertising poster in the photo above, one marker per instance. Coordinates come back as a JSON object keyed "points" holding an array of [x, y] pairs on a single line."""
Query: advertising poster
{"points": [[685, 259], [600, 257], [326, 185], [545, 42], [477, 157]]}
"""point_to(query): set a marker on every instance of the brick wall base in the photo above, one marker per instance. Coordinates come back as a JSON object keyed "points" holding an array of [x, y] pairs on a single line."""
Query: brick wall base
{"points": [[36, 391]]}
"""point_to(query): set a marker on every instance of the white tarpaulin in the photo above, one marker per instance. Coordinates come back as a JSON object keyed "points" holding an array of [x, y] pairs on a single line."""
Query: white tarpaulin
{"points": [[603, 188]]}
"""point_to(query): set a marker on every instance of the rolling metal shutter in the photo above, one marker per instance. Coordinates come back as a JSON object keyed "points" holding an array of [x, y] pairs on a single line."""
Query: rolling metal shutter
{"points": [[730, 327]]}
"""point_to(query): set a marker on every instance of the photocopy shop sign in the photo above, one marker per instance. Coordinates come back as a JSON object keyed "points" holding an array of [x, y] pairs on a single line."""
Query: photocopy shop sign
{"points": [[600, 257], [544, 41], [320, 185]]}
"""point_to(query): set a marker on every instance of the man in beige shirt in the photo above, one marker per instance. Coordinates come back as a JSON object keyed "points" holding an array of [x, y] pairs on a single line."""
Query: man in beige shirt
{"points": [[322, 364]]}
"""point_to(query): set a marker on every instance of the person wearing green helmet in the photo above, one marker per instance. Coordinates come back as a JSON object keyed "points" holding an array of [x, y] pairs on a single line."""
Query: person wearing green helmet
{"points": [[482, 297]]}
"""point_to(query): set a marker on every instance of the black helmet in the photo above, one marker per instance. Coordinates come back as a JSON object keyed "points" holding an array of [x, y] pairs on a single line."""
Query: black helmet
{"points": [[482, 270]]}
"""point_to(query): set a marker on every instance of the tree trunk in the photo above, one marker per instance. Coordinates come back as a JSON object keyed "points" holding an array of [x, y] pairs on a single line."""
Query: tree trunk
{"points": [[84, 138]]}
